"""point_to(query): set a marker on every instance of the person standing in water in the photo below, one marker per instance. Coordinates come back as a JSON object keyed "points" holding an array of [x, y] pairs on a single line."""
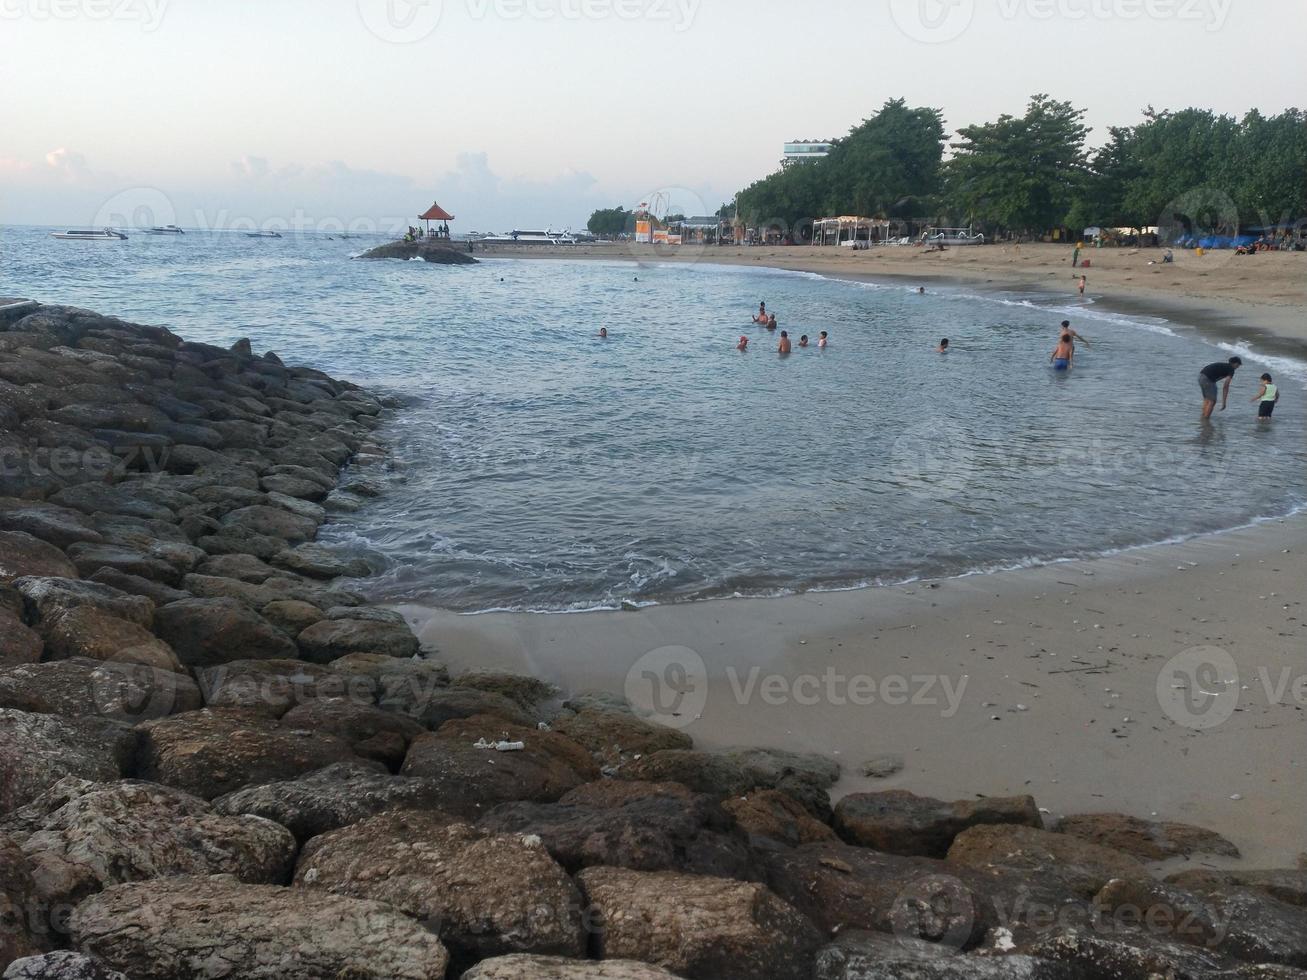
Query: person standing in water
{"points": [[771, 322], [1267, 398], [762, 314], [603, 333], [784, 346], [1075, 337], [822, 342], [943, 347], [743, 344], [803, 341], [1063, 354], [1209, 376]]}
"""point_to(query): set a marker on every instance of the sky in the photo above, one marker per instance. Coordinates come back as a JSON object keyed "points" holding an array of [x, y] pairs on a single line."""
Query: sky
{"points": [[329, 114]]}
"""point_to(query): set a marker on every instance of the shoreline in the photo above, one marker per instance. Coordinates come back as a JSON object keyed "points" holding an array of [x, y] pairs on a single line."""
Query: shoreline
{"points": [[1004, 631]]}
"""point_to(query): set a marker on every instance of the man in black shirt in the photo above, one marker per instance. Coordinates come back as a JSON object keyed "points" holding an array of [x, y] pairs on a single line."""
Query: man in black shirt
{"points": [[1209, 376]]}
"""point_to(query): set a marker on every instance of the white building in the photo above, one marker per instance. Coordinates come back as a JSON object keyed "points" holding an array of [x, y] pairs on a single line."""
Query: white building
{"points": [[803, 150]]}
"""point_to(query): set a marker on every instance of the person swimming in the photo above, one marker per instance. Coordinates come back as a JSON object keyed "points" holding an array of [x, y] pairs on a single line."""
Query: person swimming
{"points": [[603, 333], [822, 341], [771, 322], [943, 347], [743, 344], [784, 346], [803, 341], [1063, 354], [921, 290]]}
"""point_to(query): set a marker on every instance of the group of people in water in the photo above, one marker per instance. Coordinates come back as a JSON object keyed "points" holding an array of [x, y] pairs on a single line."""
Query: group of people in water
{"points": [[785, 345]]}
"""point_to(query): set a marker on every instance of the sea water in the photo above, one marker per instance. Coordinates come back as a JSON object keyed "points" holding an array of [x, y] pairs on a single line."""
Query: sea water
{"points": [[535, 466]]}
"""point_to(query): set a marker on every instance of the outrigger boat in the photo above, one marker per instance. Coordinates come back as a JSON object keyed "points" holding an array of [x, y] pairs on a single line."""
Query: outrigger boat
{"points": [[103, 235], [952, 236]]}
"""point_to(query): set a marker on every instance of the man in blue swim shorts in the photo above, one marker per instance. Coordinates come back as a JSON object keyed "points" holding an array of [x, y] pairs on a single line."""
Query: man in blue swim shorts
{"points": [[1063, 354]]}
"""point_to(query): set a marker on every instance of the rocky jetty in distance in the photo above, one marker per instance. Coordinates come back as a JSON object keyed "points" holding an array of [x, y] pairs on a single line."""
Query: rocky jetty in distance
{"points": [[217, 761], [437, 253]]}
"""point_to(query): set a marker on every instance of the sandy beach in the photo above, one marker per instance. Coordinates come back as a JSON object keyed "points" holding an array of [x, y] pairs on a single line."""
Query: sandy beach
{"points": [[1059, 681]]}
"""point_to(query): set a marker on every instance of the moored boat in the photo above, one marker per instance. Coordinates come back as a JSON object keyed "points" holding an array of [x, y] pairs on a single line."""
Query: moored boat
{"points": [[164, 230], [103, 235], [263, 234]]}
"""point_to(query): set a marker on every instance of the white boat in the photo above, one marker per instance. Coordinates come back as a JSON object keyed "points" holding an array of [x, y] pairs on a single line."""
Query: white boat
{"points": [[164, 230], [546, 237], [263, 234], [103, 235]]}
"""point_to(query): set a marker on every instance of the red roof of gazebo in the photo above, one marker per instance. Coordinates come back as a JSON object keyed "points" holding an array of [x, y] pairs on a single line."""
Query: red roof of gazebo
{"points": [[437, 213]]}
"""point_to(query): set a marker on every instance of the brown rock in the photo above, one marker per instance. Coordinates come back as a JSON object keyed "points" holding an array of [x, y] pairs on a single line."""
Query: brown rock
{"points": [[642, 826], [292, 616], [24, 924], [1289, 885], [220, 750], [90, 688], [1146, 840], [245, 568], [156, 592], [36, 751], [524, 966], [615, 738], [899, 822], [173, 927], [90, 558], [208, 632], [483, 894], [60, 526], [475, 779], [1078, 864], [18, 644], [23, 555], [90, 633], [332, 639], [769, 814], [699, 927], [315, 561], [47, 597], [371, 732], [528, 692], [81, 837], [334, 797], [272, 522]]}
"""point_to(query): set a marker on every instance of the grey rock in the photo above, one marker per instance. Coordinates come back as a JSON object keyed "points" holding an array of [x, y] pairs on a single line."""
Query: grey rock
{"points": [[88, 688], [23, 555], [36, 751], [900, 822], [208, 632]]}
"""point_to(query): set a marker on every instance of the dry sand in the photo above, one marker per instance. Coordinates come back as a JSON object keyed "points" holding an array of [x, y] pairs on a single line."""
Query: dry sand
{"points": [[1056, 681]]}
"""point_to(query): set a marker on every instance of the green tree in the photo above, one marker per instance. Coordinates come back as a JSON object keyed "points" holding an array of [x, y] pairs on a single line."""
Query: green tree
{"points": [[611, 222], [1020, 173]]}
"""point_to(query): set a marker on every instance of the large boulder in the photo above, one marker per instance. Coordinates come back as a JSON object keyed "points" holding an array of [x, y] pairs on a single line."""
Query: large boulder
{"points": [[316, 561], [1248, 925], [771, 815], [18, 643], [527, 691], [337, 796], [90, 633], [60, 526], [36, 751], [22, 555], [272, 522], [1077, 864], [80, 837], [465, 759], [373, 733], [699, 927], [703, 772], [24, 922], [208, 632], [878, 956], [642, 826], [616, 737], [61, 965], [420, 697], [156, 592], [900, 822], [80, 688], [45, 598], [220, 750], [1145, 839], [91, 558], [525, 966], [330, 640], [484, 894], [100, 498], [1099, 953], [1288, 885], [192, 927]]}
